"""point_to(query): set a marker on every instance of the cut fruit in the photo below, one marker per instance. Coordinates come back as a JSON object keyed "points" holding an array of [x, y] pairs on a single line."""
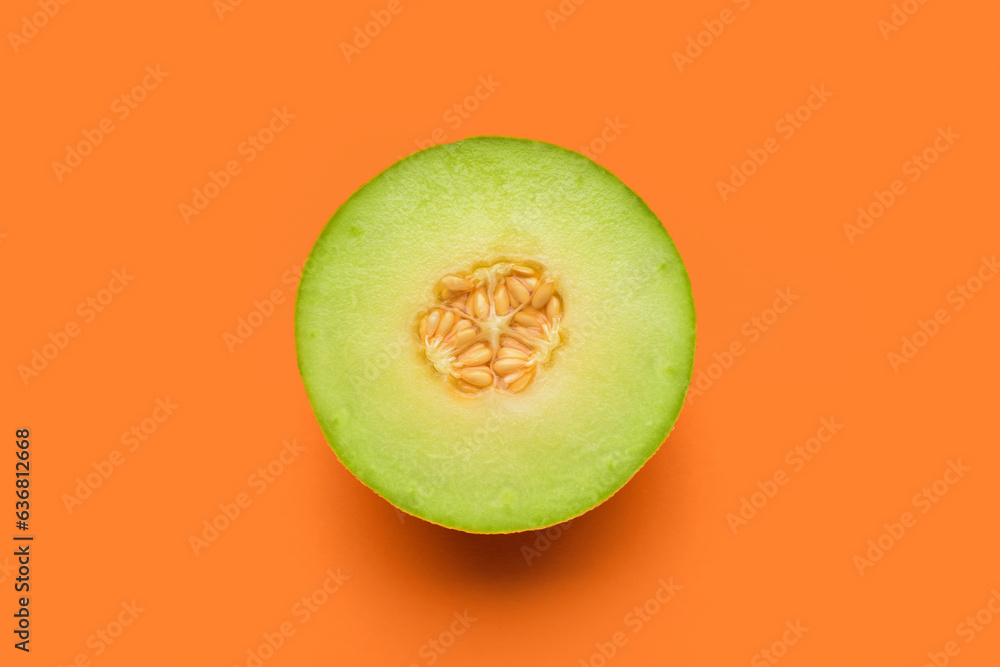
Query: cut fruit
{"points": [[495, 334]]}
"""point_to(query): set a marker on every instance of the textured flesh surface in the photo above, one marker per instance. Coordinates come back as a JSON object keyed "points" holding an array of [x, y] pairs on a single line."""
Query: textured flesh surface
{"points": [[496, 462]]}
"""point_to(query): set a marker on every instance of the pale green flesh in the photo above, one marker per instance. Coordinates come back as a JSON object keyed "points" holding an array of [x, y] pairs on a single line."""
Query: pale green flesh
{"points": [[593, 415]]}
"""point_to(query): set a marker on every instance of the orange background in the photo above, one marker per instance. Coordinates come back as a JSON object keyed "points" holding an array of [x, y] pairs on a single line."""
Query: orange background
{"points": [[163, 335]]}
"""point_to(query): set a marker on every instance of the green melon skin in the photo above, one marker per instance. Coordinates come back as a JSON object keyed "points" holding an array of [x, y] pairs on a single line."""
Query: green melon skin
{"points": [[595, 413]]}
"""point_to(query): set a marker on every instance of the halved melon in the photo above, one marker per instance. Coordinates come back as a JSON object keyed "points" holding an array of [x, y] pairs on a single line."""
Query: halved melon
{"points": [[495, 334]]}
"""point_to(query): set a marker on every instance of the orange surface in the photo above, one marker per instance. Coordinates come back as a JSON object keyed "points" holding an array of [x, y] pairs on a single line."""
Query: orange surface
{"points": [[657, 575]]}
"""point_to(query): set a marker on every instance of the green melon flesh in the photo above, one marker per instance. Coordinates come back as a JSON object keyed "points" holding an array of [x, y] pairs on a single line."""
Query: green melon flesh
{"points": [[595, 413]]}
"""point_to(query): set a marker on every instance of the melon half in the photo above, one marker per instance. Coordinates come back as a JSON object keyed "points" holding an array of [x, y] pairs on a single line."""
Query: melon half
{"points": [[495, 334]]}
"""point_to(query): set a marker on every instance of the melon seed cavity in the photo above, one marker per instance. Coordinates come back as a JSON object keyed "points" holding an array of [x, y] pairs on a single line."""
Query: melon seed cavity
{"points": [[492, 327]]}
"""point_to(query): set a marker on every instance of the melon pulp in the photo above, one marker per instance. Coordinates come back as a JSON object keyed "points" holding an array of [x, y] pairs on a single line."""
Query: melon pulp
{"points": [[600, 403]]}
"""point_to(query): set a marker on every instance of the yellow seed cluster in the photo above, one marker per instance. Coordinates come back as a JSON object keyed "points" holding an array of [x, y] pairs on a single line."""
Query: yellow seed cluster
{"points": [[492, 327]]}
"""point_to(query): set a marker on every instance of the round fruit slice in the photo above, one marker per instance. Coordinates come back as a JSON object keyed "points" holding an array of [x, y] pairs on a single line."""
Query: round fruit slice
{"points": [[495, 334]]}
